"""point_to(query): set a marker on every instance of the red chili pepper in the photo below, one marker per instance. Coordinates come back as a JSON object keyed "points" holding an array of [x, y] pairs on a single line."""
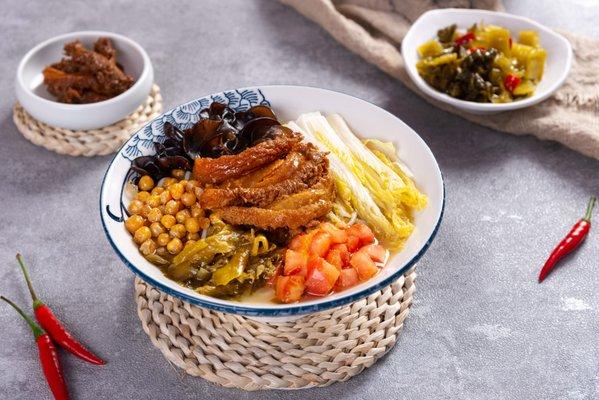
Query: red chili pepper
{"points": [[510, 42], [511, 81], [574, 238], [48, 356], [54, 327], [476, 48], [464, 39]]}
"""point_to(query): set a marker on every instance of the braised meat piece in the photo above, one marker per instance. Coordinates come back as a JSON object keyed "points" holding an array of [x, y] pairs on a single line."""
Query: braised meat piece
{"points": [[86, 76], [303, 166], [217, 170]]}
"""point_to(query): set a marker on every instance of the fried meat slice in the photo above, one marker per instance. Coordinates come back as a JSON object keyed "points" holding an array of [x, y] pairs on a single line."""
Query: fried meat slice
{"points": [[297, 172], [272, 219], [217, 170], [262, 196], [324, 189]]}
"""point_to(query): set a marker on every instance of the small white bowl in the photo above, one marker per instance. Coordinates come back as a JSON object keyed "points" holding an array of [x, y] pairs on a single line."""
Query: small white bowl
{"points": [[557, 66], [288, 102], [35, 99]]}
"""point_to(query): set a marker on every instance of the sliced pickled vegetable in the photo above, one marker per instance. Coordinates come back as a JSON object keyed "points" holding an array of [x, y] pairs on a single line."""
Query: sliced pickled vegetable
{"points": [[202, 252], [529, 38], [430, 48], [233, 269], [483, 63]]}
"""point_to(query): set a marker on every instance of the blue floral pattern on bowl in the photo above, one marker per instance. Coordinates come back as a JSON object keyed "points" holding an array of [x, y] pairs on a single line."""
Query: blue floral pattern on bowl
{"points": [[186, 115]]}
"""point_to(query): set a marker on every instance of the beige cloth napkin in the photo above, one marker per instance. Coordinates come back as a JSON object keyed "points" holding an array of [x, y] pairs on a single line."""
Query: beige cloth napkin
{"points": [[374, 30]]}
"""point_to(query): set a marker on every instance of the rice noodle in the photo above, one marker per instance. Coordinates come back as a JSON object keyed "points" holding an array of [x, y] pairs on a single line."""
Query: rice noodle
{"points": [[353, 218]]}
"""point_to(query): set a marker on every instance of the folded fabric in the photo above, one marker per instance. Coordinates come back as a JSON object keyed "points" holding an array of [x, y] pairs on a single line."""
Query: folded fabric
{"points": [[374, 29]]}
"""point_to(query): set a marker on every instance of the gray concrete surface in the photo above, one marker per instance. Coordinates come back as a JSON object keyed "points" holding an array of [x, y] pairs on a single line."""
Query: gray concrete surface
{"points": [[481, 327]]}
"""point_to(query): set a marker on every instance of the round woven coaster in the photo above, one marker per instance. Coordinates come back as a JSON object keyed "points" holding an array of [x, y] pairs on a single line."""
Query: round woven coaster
{"points": [[234, 351], [93, 142]]}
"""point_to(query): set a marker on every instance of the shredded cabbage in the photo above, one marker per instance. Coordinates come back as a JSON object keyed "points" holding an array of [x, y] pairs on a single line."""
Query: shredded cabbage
{"points": [[353, 194], [370, 179]]}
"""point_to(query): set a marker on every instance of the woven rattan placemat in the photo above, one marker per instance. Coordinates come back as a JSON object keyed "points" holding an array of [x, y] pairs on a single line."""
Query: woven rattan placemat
{"points": [[93, 142], [234, 351]]}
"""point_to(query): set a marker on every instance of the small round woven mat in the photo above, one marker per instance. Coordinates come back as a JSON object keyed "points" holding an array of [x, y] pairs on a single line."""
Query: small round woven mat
{"points": [[93, 142], [234, 351]]}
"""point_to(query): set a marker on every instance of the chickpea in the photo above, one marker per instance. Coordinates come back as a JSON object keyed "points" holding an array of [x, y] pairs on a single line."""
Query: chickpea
{"points": [[188, 199], [192, 236], [168, 221], [153, 200], [192, 225], [183, 183], [165, 197], [196, 211], [145, 209], [171, 207], [134, 222], [168, 182], [174, 246], [135, 206], [142, 234], [156, 229], [157, 190], [162, 208], [189, 242], [197, 191], [163, 239], [178, 231], [154, 215], [148, 247], [142, 196], [146, 183], [178, 173], [204, 223], [190, 185], [182, 216], [161, 251], [176, 190]]}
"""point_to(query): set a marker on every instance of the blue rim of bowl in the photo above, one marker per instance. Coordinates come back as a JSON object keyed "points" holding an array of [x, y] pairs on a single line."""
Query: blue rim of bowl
{"points": [[298, 308]]}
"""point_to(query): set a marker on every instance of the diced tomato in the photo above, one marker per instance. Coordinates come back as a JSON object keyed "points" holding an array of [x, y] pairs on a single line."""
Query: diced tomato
{"points": [[348, 278], [353, 243], [300, 242], [376, 252], [296, 262], [337, 235], [468, 37], [321, 278], [510, 42], [321, 242], [334, 258], [511, 82], [362, 262], [289, 288], [362, 231], [343, 252]]}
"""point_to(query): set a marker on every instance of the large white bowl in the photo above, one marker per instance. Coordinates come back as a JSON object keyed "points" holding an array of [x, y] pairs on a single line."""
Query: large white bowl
{"points": [[288, 102], [36, 100], [557, 67]]}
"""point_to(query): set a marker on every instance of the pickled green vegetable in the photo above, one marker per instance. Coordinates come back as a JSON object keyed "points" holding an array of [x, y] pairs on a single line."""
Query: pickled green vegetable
{"points": [[234, 267], [483, 64], [222, 264]]}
